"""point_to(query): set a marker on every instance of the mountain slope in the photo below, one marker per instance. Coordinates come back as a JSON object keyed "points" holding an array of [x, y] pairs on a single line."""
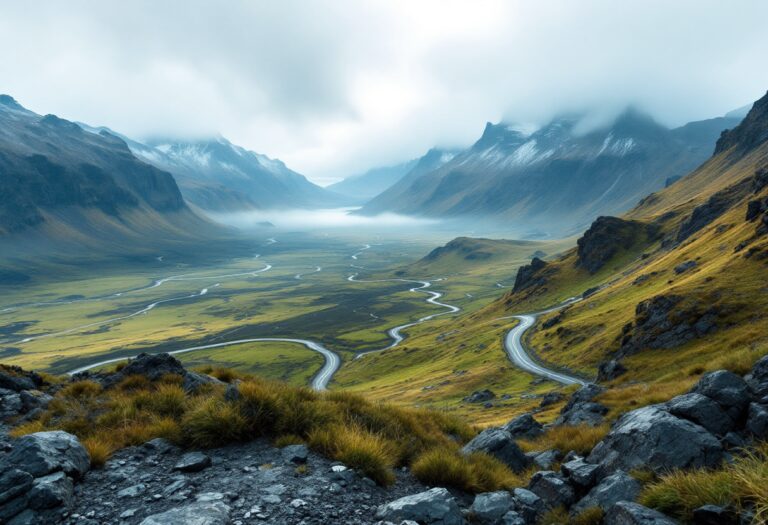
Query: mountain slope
{"points": [[557, 175], [57, 178], [367, 185], [687, 298]]}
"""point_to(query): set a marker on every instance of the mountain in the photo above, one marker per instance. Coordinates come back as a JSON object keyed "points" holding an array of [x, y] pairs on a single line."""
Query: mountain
{"points": [[219, 176], [55, 177], [558, 178], [431, 161], [365, 186], [674, 283]]}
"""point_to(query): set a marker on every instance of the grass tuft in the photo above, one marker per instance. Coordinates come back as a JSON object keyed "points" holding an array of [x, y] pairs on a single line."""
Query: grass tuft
{"points": [[213, 423], [357, 448], [580, 438]]}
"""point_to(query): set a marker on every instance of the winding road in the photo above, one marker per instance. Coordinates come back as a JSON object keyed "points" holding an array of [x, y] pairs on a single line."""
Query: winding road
{"points": [[513, 345], [332, 362], [395, 332]]}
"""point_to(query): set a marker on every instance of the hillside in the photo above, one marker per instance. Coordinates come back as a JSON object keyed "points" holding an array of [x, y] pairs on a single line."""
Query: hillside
{"points": [[684, 296], [60, 181], [558, 178]]}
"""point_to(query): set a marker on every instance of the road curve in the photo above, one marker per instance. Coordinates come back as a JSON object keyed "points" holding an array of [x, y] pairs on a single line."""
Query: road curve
{"points": [[319, 381], [396, 332], [513, 345]]}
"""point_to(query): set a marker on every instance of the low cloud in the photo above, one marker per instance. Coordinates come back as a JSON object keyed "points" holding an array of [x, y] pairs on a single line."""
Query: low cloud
{"points": [[334, 87]]}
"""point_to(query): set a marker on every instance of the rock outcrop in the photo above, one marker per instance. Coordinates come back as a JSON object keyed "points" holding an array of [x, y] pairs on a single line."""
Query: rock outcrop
{"points": [[605, 238], [498, 443], [530, 275], [433, 507], [154, 367]]}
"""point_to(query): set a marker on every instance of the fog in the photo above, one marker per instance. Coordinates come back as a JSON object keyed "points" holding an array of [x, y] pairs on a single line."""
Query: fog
{"points": [[334, 87], [325, 219]]}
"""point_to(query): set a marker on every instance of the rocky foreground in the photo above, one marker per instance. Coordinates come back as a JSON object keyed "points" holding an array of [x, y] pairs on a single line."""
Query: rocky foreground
{"points": [[45, 477]]}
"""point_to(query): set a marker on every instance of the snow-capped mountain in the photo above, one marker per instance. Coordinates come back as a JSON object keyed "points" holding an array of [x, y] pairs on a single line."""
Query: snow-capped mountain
{"points": [[558, 174], [216, 175]]}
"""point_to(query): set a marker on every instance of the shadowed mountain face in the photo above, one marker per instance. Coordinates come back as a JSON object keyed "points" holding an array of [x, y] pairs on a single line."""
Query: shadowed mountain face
{"points": [[49, 165], [557, 178], [220, 176]]}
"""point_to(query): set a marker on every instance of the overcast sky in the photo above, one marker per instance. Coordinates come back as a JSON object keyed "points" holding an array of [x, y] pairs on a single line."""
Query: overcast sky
{"points": [[335, 87]]}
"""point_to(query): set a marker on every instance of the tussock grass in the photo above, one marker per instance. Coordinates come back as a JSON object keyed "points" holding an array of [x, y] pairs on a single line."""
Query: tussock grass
{"points": [[370, 436], [742, 482], [581, 438], [590, 516], [557, 516], [478, 472]]}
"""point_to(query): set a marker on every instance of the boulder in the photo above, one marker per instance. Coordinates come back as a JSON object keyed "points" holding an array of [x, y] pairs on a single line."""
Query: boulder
{"points": [[714, 515], [628, 513], [528, 275], [583, 413], [610, 370], [435, 506], [513, 518], [727, 389], [703, 411], [684, 267], [215, 513], [295, 454], [53, 490], [43, 453], [651, 437], [579, 472], [550, 398], [524, 426], [757, 420], [619, 486], [13, 483], [553, 490], [527, 504], [758, 378], [490, 507], [155, 366], [480, 396], [10, 404], [498, 443], [16, 379], [193, 462], [546, 460]]}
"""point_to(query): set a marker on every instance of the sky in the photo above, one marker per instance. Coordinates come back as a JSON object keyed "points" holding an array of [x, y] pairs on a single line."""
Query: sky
{"points": [[334, 88]]}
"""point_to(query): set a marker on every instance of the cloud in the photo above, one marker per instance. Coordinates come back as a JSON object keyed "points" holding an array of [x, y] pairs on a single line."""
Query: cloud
{"points": [[334, 87]]}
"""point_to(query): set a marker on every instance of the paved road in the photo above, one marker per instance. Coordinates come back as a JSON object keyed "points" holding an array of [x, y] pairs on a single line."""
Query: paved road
{"points": [[513, 345], [319, 381]]}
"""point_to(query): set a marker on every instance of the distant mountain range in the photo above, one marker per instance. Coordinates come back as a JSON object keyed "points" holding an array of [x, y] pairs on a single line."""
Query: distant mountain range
{"points": [[559, 178], [365, 186], [216, 175], [59, 179]]}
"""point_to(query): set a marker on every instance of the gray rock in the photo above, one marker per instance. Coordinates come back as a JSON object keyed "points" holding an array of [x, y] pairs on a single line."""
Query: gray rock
{"points": [[524, 426], [13, 507], [498, 443], [757, 420], [684, 267], [435, 506], [513, 518], [42, 453], [553, 490], [33, 399], [10, 404], [619, 486], [730, 391], [758, 378], [610, 370], [193, 462], [701, 410], [546, 460], [527, 504], [216, 513], [583, 413], [295, 453], [580, 473], [480, 396], [714, 515], [13, 482], [651, 437], [132, 491], [16, 379], [550, 398], [628, 513], [490, 507], [159, 446], [53, 490]]}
